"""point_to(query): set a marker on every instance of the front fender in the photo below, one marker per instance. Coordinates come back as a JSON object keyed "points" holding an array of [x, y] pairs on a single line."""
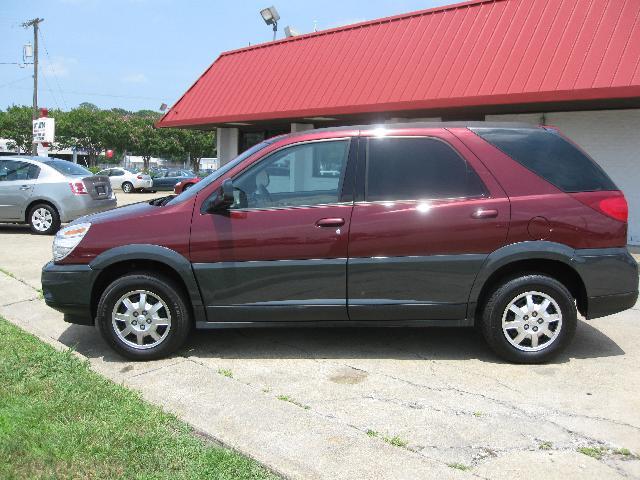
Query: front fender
{"points": [[159, 254]]}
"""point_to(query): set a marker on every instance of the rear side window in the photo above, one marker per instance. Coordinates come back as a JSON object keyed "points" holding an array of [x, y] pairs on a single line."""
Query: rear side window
{"points": [[68, 168], [418, 168], [550, 156]]}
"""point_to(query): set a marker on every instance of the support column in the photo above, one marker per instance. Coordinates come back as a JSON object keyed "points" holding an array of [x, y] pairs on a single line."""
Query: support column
{"points": [[301, 127], [227, 144]]}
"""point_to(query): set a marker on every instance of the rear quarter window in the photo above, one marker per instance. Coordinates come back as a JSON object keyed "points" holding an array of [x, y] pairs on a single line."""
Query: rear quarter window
{"points": [[68, 168], [549, 156]]}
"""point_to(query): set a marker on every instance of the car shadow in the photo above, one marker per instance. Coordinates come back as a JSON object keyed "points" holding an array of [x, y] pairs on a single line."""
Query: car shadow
{"points": [[344, 343], [14, 228]]}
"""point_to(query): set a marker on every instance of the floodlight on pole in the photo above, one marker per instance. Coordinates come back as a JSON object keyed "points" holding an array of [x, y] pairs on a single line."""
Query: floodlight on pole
{"points": [[270, 16]]}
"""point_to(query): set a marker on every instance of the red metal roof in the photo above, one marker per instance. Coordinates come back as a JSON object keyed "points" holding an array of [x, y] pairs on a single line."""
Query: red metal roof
{"points": [[482, 52]]}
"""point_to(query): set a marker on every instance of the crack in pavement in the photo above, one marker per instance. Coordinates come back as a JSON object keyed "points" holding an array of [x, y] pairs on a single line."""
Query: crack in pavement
{"points": [[183, 359], [20, 301]]}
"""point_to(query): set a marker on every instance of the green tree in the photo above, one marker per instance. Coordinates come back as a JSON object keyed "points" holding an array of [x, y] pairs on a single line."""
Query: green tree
{"points": [[85, 128], [196, 144], [145, 139], [16, 125]]}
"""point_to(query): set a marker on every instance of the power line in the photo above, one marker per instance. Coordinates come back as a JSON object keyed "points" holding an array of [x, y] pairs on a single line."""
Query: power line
{"points": [[53, 93], [14, 81], [91, 94], [55, 75]]}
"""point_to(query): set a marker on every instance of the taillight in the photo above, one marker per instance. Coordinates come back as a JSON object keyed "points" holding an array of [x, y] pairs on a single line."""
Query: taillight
{"points": [[78, 188], [611, 204], [615, 207], [139, 177]]}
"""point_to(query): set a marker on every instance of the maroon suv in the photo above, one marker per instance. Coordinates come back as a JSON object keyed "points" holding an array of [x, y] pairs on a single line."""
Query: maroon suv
{"points": [[508, 227]]}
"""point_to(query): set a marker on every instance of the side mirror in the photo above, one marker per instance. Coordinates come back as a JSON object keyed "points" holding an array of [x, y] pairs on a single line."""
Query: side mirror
{"points": [[224, 198]]}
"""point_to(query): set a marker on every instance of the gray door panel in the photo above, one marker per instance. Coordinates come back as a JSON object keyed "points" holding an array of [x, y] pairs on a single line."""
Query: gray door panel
{"points": [[432, 287], [15, 189], [285, 290]]}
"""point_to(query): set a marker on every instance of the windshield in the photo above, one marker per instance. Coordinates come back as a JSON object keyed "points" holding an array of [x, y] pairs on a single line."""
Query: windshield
{"points": [[67, 168], [205, 182]]}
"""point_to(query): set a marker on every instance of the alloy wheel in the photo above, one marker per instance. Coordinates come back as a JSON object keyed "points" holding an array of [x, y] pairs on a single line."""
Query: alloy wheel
{"points": [[141, 319], [41, 219], [532, 321]]}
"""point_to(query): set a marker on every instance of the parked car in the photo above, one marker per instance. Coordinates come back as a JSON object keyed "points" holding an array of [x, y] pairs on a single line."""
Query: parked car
{"points": [[185, 184], [45, 191], [127, 180], [167, 179], [508, 227]]}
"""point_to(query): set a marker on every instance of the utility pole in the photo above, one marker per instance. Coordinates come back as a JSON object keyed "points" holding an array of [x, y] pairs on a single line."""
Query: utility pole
{"points": [[35, 23]]}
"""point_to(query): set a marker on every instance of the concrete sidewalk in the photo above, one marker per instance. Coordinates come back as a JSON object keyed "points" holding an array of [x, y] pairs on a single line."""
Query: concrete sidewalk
{"points": [[292, 441], [314, 404]]}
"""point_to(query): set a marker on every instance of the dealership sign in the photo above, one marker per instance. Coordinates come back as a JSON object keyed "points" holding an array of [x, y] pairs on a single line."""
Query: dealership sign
{"points": [[44, 130]]}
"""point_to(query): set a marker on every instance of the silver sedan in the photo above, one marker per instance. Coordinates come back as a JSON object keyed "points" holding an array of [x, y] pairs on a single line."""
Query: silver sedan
{"points": [[45, 192]]}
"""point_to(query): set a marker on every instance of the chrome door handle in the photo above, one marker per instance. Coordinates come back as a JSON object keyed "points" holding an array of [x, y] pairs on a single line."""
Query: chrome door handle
{"points": [[330, 222], [25, 187], [482, 213]]}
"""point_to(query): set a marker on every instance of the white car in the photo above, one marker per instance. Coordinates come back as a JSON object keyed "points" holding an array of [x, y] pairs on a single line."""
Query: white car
{"points": [[126, 180]]}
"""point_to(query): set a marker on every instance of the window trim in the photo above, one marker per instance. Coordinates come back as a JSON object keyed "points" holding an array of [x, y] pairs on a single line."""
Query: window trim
{"points": [[365, 190], [349, 140]]}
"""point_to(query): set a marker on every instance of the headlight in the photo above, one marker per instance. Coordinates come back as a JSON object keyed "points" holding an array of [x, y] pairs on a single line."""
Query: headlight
{"points": [[67, 239]]}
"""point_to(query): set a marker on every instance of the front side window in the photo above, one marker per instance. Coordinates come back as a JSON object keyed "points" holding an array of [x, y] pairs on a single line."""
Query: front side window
{"points": [[15, 170], [290, 177], [418, 168]]}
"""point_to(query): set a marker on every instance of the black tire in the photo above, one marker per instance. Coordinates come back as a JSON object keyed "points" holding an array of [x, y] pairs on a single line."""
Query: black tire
{"points": [[161, 287], [500, 299], [127, 187], [35, 219]]}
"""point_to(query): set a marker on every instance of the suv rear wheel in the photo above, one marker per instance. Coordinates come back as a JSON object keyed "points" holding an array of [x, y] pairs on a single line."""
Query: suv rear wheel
{"points": [[529, 319], [143, 317], [44, 219]]}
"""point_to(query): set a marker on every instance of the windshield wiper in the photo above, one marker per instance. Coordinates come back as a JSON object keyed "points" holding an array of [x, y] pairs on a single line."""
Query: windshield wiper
{"points": [[159, 202]]}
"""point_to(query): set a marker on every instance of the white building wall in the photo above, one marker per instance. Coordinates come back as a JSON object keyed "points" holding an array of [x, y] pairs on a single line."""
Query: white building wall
{"points": [[612, 138]]}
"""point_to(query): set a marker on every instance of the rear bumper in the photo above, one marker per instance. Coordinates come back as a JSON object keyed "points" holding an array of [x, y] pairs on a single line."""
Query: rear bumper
{"points": [[67, 288], [145, 184], [610, 276], [608, 305]]}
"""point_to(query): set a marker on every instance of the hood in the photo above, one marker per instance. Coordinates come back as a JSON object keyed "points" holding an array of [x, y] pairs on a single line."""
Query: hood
{"points": [[133, 210]]}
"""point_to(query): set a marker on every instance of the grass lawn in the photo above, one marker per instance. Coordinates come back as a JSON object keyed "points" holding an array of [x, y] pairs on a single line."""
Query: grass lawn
{"points": [[58, 419]]}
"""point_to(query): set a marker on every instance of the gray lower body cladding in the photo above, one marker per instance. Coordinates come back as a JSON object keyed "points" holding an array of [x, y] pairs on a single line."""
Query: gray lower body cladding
{"points": [[400, 291]]}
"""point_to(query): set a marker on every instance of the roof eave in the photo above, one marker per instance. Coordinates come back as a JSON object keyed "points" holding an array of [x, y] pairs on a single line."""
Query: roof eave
{"points": [[550, 97]]}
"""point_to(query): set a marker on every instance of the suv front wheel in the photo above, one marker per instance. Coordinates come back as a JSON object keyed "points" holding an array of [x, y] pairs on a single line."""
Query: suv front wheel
{"points": [[143, 317], [529, 319]]}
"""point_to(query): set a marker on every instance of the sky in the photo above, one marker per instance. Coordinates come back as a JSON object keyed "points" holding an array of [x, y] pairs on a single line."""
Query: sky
{"points": [[137, 54]]}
